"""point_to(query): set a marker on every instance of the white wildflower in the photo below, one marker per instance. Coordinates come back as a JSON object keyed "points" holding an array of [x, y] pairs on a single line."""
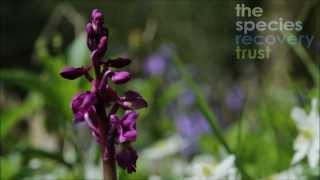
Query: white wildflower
{"points": [[164, 148], [294, 173], [203, 168], [308, 142], [154, 177]]}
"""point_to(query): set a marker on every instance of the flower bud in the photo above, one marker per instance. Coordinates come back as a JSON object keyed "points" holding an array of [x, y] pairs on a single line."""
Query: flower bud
{"points": [[98, 53], [119, 62], [120, 77], [96, 19], [73, 73]]}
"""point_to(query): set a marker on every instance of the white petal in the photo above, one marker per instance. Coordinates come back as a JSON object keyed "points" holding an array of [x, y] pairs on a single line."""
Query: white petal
{"points": [[314, 114], [313, 156], [154, 177], [164, 148], [314, 103], [301, 142], [201, 166], [225, 167], [298, 115], [294, 173], [301, 147]]}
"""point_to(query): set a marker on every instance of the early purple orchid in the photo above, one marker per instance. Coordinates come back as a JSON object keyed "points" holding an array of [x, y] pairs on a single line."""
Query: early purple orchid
{"points": [[108, 129]]}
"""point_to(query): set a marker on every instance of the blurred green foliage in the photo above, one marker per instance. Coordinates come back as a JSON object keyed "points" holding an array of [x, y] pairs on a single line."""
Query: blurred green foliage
{"points": [[260, 134]]}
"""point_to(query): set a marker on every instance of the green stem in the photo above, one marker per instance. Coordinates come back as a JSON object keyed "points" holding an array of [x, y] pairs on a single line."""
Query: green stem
{"points": [[240, 126], [208, 114]]}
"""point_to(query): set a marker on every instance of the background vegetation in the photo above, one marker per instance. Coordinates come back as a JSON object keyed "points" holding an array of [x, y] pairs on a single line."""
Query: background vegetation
{"points": [[184, 65]]}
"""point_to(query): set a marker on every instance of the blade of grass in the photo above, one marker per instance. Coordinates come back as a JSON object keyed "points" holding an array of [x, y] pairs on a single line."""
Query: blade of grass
{"points": [[204, 108], [27, 81], [240, 126]]}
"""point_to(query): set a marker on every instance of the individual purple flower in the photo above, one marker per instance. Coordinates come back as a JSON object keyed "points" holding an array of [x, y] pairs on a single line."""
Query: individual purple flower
{"points": [[132, 100], [234, 98], [156, 63], [90, 106], [191, 128], [127, 158], [125, 127], [187, 98], [81, 103]]}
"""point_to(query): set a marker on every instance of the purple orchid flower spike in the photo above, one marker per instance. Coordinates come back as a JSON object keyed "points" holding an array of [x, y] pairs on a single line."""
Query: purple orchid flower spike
{"points": [[90, 106]]}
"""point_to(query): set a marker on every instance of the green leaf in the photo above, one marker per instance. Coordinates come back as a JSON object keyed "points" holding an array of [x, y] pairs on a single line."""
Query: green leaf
{"points": [[25, 80], [50, 64], [10, 165], [11, 116], [171, 93], [78, 53], [29, 81]]}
